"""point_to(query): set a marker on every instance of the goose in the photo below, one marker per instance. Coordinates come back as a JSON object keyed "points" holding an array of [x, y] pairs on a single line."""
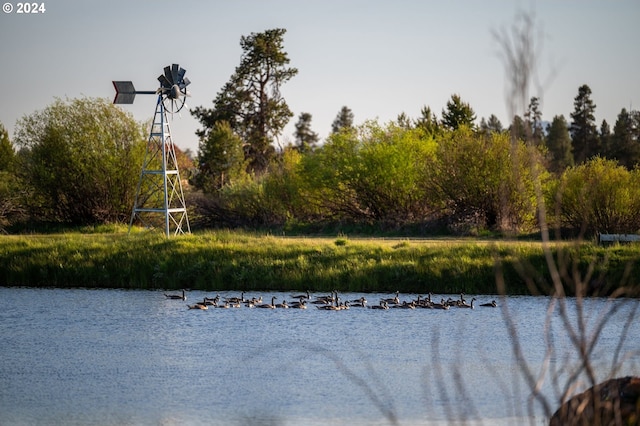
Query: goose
{"points": [[464, 305], [176, 296], [393, 300], [282, 305], [405, 305], [302, 296], [382, 305], [268, 306], [328, 308], [212, 301], [343, 306], [203, 303], [302, 304], [491, 304], [441, 305], [253, 302], [326, 299], [426, 303], [359, 303], [200, 305], [235, 299]]}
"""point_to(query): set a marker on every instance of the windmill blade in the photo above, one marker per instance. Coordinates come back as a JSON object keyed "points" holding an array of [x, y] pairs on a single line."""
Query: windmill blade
{"points": [[166, 84], [185, 82], [181, 74], [168, 75], [174, 74]]}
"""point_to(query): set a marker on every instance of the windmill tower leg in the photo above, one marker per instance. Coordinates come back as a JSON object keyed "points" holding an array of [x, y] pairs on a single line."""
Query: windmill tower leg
{"points": [[159, 196]]}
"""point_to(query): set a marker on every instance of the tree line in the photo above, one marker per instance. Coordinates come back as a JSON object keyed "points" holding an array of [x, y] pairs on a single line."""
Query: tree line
{"points": [[77, 161]]}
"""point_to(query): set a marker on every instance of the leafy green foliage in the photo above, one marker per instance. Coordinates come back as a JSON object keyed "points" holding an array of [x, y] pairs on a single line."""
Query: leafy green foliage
{"points": [[7, 153], [220, 159], [82, 159], [598, 196], [486, 181], [370, 174]]}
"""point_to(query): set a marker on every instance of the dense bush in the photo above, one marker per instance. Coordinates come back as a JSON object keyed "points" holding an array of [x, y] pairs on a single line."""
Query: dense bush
{"points": [[81, 160], [391, 177], [598, 196], [486, 180]]}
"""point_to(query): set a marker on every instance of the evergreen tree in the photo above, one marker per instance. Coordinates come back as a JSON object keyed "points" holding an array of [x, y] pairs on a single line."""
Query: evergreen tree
{"points": [[306, 139], [7, 154], [624, 145], [457, 114], [584, 134], [344, 120], [559, 145], [404, 122], [518, 129], [605, 139], [428, 121], [493, 125], [533, 118], [220, 159], [251, 101]]}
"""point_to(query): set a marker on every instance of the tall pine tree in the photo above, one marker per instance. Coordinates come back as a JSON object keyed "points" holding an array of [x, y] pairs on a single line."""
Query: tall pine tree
{"points": [[559, 145], [584, 133], [624, 146], [251, 101], [457, 114], [306, 139], [344, 120]]}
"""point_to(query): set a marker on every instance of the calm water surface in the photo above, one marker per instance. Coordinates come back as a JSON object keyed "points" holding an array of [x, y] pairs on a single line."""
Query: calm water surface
{"points": [[111, 357]]}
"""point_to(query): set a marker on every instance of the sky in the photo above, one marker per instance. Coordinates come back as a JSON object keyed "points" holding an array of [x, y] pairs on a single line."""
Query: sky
{"points": [[379, 58]]}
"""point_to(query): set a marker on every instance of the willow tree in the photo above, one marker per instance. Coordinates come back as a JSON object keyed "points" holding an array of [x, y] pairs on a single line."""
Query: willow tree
{"points": [[81, 158], [251, 101]]}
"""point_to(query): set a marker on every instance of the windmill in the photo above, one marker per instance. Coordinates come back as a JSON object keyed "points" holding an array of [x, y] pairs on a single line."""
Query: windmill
{"points": [[159, 196]]}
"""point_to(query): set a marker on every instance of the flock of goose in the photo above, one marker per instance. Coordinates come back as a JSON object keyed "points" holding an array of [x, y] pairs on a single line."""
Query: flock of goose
{"points": [[331, 302]]}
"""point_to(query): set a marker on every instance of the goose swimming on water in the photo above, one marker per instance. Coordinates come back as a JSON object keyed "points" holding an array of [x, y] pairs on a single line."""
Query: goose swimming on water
{"points": [[176, 296], [200, 305], [283, 305], [491, 304], [302, 296], [393, 300], [383, 305], [359, 303], [235, 299], [465, 305], [268, 306]]}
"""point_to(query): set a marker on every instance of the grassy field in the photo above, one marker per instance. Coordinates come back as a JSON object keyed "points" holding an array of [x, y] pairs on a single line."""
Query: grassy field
{"points": [[230, 260]]}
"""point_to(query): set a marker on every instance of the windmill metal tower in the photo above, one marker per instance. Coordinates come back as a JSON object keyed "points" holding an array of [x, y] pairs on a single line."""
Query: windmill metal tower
{"points": [[159, 196]]}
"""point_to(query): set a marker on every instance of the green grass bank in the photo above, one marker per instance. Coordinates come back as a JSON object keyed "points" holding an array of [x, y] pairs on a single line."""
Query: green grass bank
{"points": [[229, 260]]}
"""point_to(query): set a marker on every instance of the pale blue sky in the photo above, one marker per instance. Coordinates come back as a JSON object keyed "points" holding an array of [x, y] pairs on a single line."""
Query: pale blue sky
{"points": [[379, 58]]}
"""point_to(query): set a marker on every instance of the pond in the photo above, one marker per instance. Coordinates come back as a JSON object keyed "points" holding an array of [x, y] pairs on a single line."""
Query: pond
{"points": [[107, 357]]}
